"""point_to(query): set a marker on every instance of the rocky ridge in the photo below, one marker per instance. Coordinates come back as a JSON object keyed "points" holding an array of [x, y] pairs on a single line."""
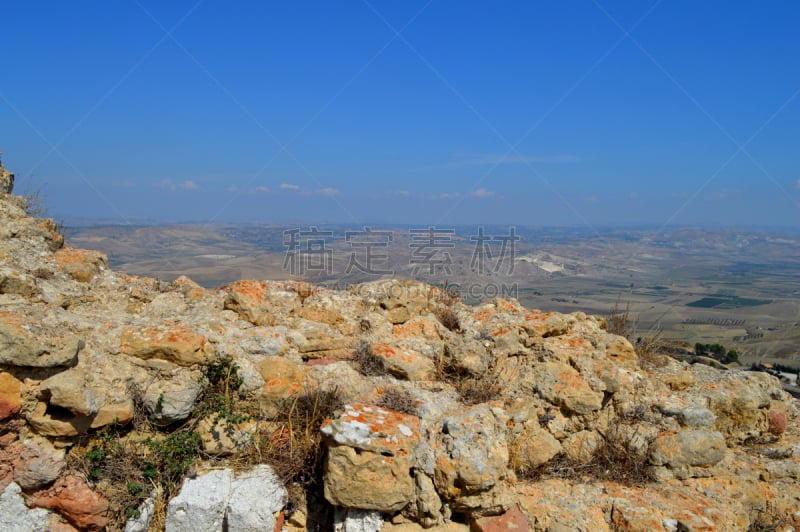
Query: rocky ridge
{"points": [[505, 418]]}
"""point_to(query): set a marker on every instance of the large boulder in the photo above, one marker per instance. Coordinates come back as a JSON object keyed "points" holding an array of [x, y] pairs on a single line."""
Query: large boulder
{"points": [[471, 470], [370, 458], [201, 503]]}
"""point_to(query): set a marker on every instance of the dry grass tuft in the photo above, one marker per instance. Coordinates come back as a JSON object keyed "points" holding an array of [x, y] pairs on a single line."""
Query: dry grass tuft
{"points": [[615, 460], [399, 400], [367, 363], [473, 389], [648, 348]]}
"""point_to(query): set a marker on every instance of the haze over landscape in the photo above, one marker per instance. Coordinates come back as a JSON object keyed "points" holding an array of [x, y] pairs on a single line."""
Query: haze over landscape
{"points": [[581, 113]]}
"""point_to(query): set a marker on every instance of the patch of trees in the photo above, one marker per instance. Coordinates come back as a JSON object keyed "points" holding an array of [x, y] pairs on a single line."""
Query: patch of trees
{"points": [[717, 351]]}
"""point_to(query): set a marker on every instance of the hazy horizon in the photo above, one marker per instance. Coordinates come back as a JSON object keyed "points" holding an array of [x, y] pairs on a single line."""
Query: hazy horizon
{"points": [[587, 114]]}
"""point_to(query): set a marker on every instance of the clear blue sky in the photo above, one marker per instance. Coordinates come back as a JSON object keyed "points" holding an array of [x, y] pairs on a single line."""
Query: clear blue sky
{"points": [[567, 112]]}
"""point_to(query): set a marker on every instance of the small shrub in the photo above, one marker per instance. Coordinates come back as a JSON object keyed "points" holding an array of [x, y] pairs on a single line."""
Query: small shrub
{"points": [[647, 348], [399, 401], [367, 363], [473, 389], [767, 521], [448, 318]]}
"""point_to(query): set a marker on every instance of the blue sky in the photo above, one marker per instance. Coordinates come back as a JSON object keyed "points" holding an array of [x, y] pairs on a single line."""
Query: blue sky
{"points": [[584, 113]]}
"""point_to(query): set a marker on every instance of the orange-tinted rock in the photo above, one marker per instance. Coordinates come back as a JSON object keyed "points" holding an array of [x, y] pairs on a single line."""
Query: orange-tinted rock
{"points": [[81, 264], [370, 458], [404, 362], [9, 396], [76, 501], [173, 343], [777, 418], [513, 519], [260, 303], [282, 380]]}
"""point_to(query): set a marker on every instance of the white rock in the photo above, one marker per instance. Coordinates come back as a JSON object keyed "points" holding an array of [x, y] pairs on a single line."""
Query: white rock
{"points": [[16, 517], [146, 511], [255, 496], [352, 520], [201, 503]]}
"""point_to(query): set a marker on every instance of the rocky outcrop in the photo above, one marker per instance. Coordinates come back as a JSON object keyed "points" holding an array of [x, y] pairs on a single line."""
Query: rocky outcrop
{"points": [[491, 417]]}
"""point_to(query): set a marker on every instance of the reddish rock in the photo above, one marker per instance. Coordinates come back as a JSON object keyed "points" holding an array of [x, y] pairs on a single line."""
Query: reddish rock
{"points": [[80, 264], [513, 519], [10, 398], [777, 418], [76, 501]]}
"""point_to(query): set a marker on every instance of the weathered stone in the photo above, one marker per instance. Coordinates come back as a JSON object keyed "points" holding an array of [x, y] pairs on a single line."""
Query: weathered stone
{"points": [[403, 362], [39, 464], [76, 501], [201, 503], [319, 340], [471, 462], [582, 446], [26, 342], [168, 400], [401, 300], [80, 264], [141, 522], [513, 519], [220, 437], [6, 180], [533, 448], [10, 399], [255, 496], [173, 343], [370, 458], [16, 517], [353, 520], [689, 447], [16, 282], [260, 303], [283, 379], [562, 385]]}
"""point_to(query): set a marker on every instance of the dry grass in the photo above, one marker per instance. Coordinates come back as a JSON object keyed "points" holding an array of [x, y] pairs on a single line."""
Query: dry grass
{"points": [[615, 460], [399, 400], [367, 363], [448, 318], [767, 521], [473, 389], [648, 348]]}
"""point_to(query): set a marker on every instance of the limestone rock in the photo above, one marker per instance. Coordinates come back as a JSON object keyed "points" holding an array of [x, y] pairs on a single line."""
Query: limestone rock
{"points": [[220, 437], [513, 519], [283, 379], [28, 342], [260, 303], [174, 343], [581, 446], [403, 362], [255, 496], [171, 399], [562, 385], [533, 447], [72, 498], [471, 462], [352, 520], [689, 447], [39, 464], [369, 461], [10, 398], [6, 180], [201, 503], [141, 523], [400, 300], [16, 282], [16, 517], [80, 264]]}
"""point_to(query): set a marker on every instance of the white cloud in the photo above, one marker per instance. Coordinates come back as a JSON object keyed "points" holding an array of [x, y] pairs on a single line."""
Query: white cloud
{"points": [[288, 186], [445, 196], [328, 191], [167, 184], [233, 188], [592, 198], [482, 193], [262, 190], [797, 184], [725, 194]]}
